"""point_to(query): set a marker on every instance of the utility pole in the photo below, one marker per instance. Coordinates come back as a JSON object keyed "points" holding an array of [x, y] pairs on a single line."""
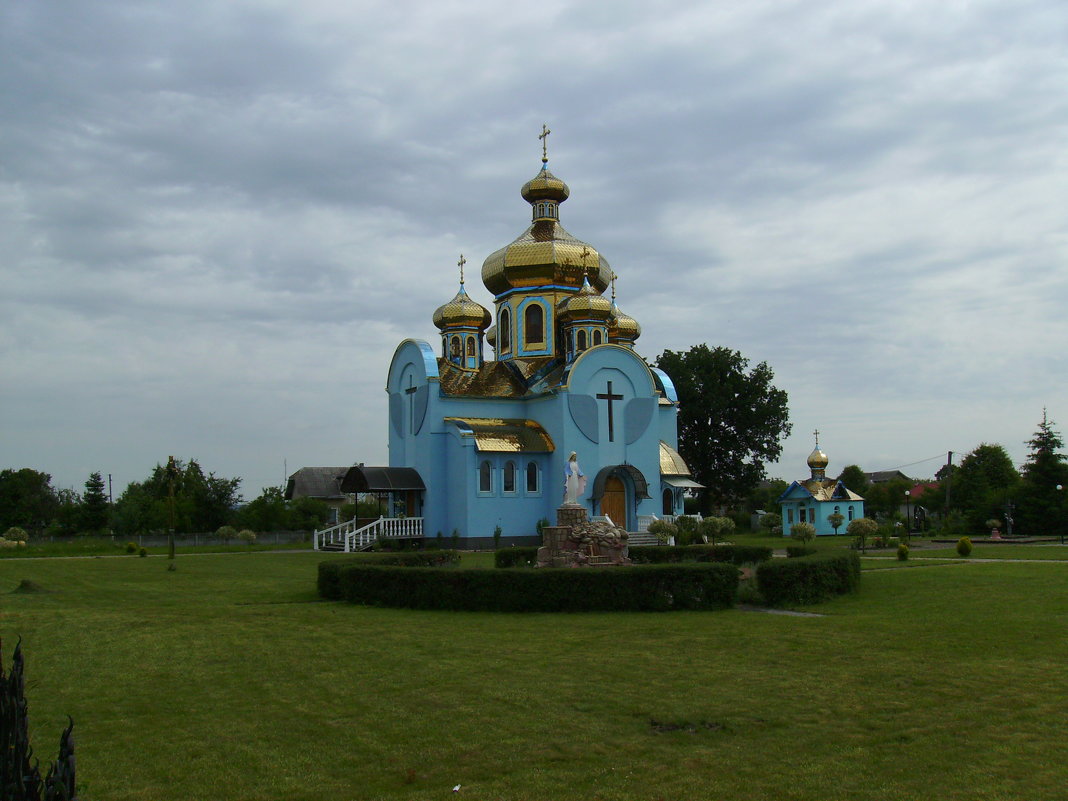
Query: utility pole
{"points": [[949, 479], [172, 470]]}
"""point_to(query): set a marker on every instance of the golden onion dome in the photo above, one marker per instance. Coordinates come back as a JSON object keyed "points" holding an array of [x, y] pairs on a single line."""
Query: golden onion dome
{"points": [[462, 312], [586, 304], [817, 460], [623, 326], [545, 254]]}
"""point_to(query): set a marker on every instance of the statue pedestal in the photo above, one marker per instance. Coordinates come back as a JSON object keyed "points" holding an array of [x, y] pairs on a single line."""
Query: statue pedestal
{"points": [[576, 542]]}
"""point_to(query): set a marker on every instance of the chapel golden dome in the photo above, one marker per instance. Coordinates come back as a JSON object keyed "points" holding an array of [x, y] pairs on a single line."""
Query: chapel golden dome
{"points": [[817, 460], [586, 304], [462, 312], [545, 254]]}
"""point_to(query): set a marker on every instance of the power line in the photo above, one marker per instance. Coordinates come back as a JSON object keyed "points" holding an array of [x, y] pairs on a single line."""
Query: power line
{"points": [[942, 455]]}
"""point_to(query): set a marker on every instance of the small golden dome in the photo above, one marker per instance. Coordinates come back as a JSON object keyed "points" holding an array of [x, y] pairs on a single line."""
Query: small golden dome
{"points": [[545, 186], [623, 327], [462, 312], [586, 304], [817, 460]]}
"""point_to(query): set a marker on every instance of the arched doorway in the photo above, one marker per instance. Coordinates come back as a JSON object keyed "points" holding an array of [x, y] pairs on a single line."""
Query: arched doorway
{"points": [[614, 501], [669, 503]]}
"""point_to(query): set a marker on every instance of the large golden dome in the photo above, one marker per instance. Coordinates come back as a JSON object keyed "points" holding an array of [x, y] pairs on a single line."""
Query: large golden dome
{"points": [[545, 254], [461, 311], [818, 460], [586, 304]]}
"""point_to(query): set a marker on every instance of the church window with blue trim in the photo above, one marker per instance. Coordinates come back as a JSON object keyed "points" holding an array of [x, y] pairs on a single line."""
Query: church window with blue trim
{"points": [[534, 324]]}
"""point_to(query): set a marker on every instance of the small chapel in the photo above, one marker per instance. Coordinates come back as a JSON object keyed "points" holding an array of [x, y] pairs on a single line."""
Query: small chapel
{"points": [[815, 499], [482, 422]]}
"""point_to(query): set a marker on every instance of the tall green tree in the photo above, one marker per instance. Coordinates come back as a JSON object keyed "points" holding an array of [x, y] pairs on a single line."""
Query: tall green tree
{"points": [[95, 511], [1041, 507], [202, 503], [732, 420], [984, 484], [855, 479], [27, 499]]}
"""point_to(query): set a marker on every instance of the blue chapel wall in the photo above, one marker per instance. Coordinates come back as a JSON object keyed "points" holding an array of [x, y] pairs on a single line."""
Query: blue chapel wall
{"points": [[822, 510]]}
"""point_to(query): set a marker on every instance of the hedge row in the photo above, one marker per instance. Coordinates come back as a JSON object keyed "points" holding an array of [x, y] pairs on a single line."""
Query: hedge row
{"points": [[735, 554], [515, 557], [794, 551], [808, 579], [330, 571], [644, 588]]}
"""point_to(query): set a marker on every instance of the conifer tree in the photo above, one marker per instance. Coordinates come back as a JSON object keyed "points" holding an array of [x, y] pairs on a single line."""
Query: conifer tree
{"points": [[1041, 507], [94, 511]]}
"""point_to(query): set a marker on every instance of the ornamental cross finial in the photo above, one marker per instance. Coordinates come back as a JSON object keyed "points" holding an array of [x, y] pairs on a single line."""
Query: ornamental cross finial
{"points": [[544, 137], [614, 276], [461, 264], [585, 253], [816, 434]]}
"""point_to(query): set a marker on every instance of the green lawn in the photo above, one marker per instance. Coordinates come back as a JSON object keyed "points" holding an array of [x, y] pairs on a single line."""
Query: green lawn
{"points": [[228, 679]]}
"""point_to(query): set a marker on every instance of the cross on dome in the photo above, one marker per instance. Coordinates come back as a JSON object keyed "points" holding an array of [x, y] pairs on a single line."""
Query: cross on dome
{"points": [[544, 137]]}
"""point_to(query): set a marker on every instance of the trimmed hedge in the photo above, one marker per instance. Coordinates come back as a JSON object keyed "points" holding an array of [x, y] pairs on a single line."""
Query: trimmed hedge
{"points": [[330, 571], [674, 554], [794, 551], [644, 588], [516, 557], [808, 579]]}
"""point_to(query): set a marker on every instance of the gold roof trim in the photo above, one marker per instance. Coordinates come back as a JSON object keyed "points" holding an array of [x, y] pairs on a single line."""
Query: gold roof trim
{"points": [[504, 435], [671, 463]]}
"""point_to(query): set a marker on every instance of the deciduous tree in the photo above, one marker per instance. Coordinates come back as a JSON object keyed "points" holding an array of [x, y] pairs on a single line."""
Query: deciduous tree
{"points": [[731, 421]]}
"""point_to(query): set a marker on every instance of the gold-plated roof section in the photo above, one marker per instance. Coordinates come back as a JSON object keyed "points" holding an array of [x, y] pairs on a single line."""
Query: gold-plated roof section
{"points": [[822, 489], [545, 254], [504, 435], [818, 460], [623, 327], [545, 186], [462, 311], [491, 380], [671, 463], [585, 305]]}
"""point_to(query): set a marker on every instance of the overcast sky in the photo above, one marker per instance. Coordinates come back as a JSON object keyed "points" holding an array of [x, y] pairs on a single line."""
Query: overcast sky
{"points": [[218, 220]]}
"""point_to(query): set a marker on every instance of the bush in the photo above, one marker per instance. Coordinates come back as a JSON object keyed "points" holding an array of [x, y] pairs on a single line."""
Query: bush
{"points": [[860, 529], [964, 546], [808, 579], [226, 533], [247, 536], [131, 547], [516, 557], [663, 531], [674, 554], [795, 551], [143, 552], [329, 571], [15, 534], [644, 588], [902, 552], [802, 532]]}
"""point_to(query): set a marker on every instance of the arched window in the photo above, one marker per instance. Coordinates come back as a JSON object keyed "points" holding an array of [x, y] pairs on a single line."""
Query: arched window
{"points": [[485, 477], [454, 348], [470, 346], [504, 331], [669, 502], [850, 512], [580, 340], [597, 337], [509, 477], [534, 324], [532, 477]]}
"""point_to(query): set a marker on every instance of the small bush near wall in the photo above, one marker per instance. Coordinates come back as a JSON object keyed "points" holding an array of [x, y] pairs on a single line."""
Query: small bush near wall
{"points": [[516, 557], [673, 554], [644, 588], [808, 579]]}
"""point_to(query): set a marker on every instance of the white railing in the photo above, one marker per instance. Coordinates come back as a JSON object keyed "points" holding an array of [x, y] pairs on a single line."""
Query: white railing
{"points": [[356, 539]]}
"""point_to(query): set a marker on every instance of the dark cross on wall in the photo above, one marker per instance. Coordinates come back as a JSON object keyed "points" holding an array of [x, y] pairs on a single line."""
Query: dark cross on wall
{"points": [[608, 396], [410, 392]]}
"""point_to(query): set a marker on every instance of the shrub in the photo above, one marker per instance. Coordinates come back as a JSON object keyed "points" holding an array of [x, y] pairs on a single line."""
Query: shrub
{"points": [[329, 571], [674, 554], [964, 546], [143, 552], [663, 531], [131, 547], [861, 529], [794, 551], [644, 588], [802, 532], [712, 528], [808, 579], [247, 536], [15, 534], [497, 537], [902, 552], [226, 533], [836, 519], [770, 521], [516, 557]]}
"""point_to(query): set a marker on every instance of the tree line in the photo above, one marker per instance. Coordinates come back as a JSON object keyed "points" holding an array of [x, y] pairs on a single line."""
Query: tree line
{"points": [[175, 494]]}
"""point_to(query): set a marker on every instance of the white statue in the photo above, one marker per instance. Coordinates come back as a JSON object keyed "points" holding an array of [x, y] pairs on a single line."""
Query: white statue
{"points": [[574, 481]]}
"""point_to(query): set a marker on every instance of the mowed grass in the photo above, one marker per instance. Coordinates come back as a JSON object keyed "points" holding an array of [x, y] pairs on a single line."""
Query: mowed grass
{"points": [[228, 679]]}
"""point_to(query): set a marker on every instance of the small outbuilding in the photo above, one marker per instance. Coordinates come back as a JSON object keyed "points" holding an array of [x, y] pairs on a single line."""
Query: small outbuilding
{"points": [[815, 499]]}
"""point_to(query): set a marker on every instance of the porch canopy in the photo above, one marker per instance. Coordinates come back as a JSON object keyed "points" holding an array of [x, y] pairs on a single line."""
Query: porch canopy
{"points": [[381, 479], [641, 486]]}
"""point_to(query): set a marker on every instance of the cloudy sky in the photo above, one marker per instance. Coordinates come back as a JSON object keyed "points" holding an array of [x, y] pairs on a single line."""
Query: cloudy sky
{"points": [[217, 220]]}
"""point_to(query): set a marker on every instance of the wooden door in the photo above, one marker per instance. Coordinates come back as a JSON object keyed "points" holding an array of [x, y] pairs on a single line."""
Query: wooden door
{"points": [[614, 501]]}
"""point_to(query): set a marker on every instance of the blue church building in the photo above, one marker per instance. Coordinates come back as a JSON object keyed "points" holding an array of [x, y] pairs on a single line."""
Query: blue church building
{"points": [[482, 423], [818, 497]]}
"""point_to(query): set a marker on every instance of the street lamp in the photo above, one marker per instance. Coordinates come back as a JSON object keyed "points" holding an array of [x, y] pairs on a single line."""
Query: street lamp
{"points": [[1060, 489], [908, 519]]}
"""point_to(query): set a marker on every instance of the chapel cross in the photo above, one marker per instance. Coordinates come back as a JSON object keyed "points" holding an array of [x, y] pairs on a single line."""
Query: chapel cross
{"points": [[544, 137], [816, 434], [410, 392], [461, 264], [608, 396]]}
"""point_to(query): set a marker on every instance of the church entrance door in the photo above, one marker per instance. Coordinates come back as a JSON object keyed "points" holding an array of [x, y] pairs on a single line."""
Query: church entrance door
{"points": [[614, 501]]}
